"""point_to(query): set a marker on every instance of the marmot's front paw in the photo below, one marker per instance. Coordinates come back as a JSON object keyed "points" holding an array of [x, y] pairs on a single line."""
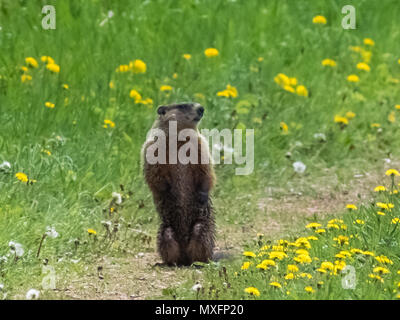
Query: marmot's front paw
{"points": [[203, 198]]}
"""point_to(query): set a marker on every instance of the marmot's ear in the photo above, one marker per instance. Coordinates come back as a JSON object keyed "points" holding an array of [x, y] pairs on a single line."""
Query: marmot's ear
{"points": [[161, 110]]}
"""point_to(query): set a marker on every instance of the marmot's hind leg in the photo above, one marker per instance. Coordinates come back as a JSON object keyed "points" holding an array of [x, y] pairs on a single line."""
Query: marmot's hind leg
{"points": [[201, 244], [168, 247]]}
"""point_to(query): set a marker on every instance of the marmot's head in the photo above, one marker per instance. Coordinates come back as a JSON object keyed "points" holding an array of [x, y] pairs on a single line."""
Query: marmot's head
{"points": [[186, 114]]}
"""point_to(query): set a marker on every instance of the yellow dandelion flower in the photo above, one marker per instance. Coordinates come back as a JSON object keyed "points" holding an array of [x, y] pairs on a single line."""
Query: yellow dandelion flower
{"points": [[350, 115], [123, 68], [137, 66], [395, 220], [275, 284], [392, 172], [165, 88], [326, 265], [313, 225], [277, 255], [375, 125], [292, 268], [363, 66], [374, 276], [368, 253], [284, 127], [309, 289], [289, 89], [328, 62], [351, 207], [305, 275], [91, 231], [31, 62], [380, 188], [282, 79], [49, 105], [353, 78], [229, 92], [369, 42], [342, 240], [245, 265], [253, 291], [109, 123], [341, 120], [381, 270], [289, 276], [319, 20], [293, 81], [47, 59], [147, 101], [21, 177], [249, 254], [303, 258], [53, 67], [135, 95], [211, 52], [187, 56], [302, 91], [302, 251], [320, 230], [383, 259], [333, 226], [26, 78], [46, 152]]}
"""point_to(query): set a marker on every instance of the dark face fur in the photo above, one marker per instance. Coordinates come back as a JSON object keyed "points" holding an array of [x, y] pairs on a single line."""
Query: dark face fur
{"points": [[187, 115]]}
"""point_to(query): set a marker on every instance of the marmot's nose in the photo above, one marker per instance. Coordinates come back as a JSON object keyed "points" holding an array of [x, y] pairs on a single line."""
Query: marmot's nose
{"points": [[200, 111]]}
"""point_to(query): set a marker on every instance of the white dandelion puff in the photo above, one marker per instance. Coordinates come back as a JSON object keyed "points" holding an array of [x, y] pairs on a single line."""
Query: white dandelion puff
{"points": [[299, 167], [320, 136], [32, 294], [197, 287], [5, 166], [117, 196], [51, 232], [16, 248]]}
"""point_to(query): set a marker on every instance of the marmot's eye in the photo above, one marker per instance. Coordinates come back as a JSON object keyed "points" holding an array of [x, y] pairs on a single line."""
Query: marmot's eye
{"points": [[162, 110]]}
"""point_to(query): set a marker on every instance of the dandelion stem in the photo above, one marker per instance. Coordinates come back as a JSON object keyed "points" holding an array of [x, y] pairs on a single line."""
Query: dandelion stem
{"points": [[40, 245]]}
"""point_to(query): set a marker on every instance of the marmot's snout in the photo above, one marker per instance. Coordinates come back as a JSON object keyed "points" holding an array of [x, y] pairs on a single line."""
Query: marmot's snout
{"points": [[200, 112]]}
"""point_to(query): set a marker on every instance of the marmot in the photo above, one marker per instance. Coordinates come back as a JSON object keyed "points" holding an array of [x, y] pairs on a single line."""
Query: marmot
{"points": [[181, 192]]}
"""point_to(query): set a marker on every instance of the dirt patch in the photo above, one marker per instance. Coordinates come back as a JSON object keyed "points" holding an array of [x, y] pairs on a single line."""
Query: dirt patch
{"points": [[281, 209]]}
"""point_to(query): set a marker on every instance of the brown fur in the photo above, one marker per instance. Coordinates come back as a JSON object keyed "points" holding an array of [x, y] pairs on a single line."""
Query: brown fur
{"points": [[181, 194]]}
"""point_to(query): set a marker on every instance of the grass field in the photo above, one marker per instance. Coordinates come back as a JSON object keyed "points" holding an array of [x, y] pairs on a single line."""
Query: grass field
{"points": [[76, 104]]}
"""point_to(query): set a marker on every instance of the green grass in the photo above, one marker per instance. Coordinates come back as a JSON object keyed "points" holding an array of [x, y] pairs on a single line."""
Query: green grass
{"points": [[74, 184]]}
